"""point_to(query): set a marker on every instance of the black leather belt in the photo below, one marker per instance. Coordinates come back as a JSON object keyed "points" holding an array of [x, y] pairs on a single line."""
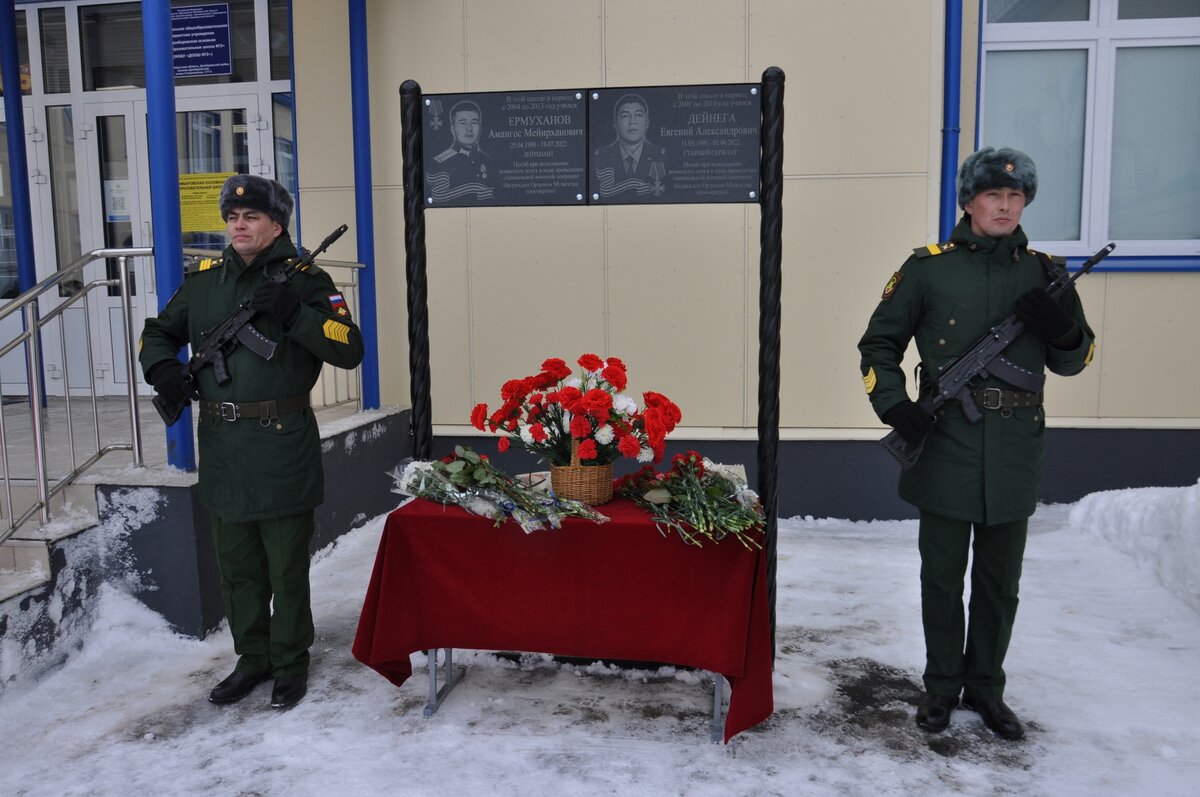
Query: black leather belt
{"points": [[254, 410], [994, 398]]}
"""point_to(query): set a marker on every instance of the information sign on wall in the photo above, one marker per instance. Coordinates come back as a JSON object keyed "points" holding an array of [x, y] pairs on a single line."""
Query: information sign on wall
{"points": [[505, 148], [200, 41], [199, 201]]}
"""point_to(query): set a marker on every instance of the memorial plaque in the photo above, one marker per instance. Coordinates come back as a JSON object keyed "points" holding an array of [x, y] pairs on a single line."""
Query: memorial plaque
{"points": [[674, 144], [505, 148]]}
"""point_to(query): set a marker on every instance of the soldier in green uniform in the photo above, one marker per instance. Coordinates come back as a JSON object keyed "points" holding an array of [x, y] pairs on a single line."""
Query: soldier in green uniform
{"points": [[976, 480], [260, 450]]}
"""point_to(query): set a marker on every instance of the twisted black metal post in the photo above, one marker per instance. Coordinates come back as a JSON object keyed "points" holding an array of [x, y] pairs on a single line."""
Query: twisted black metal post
{"points": [[770, 312], [414, 268]]}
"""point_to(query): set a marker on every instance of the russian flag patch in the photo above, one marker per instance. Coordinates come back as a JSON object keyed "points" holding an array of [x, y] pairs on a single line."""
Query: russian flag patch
{"points": [[338, 303]]}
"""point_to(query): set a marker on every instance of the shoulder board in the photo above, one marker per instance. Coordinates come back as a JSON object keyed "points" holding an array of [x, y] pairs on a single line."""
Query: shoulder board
{"points": [[445, 155], [935, 249], [205, 264], [1057, 260], [311, 268]]}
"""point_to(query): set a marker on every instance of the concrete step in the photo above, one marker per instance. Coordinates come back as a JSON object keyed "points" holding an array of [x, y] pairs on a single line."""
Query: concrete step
{"points": [[25, 556]]}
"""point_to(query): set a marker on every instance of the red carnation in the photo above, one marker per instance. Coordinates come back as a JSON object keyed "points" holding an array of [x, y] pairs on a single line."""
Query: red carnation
{"points": [[556, 368], [502, 444], [615, 376], [478, 416], [538, 433], [597, 403], [581, 427], [514, 389], [615, 362], [590, 362], [570, 397], [629, 446], [587, 450]]}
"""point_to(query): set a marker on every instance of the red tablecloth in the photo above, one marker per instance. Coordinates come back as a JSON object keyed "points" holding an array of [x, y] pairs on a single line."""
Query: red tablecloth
{"points": [[616, 590]]}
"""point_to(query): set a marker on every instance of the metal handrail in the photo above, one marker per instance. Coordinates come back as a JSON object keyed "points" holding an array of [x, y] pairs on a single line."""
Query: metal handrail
{"points": [[30, 337]]}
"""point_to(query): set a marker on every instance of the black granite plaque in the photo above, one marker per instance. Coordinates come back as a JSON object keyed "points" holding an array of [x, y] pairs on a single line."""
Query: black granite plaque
{"points": [[505, 148], [674, 144]]}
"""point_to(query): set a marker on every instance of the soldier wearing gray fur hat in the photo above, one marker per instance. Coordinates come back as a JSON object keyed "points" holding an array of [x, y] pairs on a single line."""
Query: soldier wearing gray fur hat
{"points": [[976, 484], [260, 450]]}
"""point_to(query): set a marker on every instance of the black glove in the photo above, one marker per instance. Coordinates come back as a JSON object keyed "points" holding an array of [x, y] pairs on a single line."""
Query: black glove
{"points": [[1044, 316], [172, 381], [909, 420], [274, 298]]}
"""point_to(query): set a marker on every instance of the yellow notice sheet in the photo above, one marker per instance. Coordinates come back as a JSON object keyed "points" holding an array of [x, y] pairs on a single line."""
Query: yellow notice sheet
{"points": [[199, 195]]}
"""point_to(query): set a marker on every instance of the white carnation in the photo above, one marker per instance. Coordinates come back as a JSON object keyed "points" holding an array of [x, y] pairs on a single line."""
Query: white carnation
{"points": [[526, 434], [624, 405], [645, 455], [604, 435]]}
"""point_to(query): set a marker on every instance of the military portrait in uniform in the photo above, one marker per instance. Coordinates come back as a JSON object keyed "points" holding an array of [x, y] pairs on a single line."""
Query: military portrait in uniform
{"points": [[631, 168], [462, 170]]}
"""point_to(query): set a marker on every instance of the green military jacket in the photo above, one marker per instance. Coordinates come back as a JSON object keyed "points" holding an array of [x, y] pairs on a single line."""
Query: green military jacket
{"points": [[946, 297], [248, 470]]}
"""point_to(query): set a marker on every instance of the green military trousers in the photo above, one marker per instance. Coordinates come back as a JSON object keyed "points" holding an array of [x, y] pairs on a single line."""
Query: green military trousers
{"points": [[264, 585], [973, 665]]}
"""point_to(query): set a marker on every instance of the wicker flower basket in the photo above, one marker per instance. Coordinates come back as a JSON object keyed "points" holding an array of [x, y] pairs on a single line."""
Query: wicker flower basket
{"points": [[591, 484]]}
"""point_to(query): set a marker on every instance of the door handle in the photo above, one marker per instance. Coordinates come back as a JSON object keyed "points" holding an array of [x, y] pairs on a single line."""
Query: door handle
{"points": [[152, 280]]}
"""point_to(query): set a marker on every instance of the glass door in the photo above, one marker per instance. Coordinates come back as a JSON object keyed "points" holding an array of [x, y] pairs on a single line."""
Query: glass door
{"points": [[214, 137]]}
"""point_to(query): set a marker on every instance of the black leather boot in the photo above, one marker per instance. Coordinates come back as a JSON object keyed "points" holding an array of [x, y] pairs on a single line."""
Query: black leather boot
{"points": [[933, 713], [236, 686], [289, 690], [997, 716]]}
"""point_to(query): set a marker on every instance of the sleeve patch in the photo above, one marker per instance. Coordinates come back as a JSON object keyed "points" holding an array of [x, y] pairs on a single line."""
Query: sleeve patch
{"points": [[869, 380], [1091, 352], [336, 331], [338, 303], [890, 288]]}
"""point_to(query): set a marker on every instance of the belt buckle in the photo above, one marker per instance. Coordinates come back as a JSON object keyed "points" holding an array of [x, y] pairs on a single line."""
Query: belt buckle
{"points": [[988, 393], [229, 411]]}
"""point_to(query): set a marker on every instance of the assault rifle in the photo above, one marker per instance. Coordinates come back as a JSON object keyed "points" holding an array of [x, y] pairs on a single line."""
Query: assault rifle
{"points": [[220, 341], [981, 359]]}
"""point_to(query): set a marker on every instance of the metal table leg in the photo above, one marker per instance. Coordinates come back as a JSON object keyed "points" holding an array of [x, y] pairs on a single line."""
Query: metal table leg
{"points": [[437, 696], [718, 726]]}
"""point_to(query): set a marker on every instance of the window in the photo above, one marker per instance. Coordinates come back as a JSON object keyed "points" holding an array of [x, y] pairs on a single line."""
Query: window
{"points": [[1102, 95]]}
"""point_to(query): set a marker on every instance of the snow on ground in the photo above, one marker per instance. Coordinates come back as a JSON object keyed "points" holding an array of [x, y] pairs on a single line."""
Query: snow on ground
{"points": [[1102, 668]]}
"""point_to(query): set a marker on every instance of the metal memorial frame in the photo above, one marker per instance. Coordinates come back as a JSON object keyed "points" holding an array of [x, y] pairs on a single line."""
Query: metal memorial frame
{"points": [[770, 201]]}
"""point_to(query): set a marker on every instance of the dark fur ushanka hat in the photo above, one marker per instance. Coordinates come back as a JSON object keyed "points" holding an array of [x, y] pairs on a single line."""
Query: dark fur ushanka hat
{"points": [[256, 193], [996, 168]]}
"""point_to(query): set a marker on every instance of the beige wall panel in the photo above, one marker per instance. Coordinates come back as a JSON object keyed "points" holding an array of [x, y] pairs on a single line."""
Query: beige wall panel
{"points": [[322, 89], [450, 314], [537, 291], [858, 82], [1078, 396], [669, 42], [408, 40], [392, 302], [677, 298], [545, 44], [836, 261], [1150, 340]]}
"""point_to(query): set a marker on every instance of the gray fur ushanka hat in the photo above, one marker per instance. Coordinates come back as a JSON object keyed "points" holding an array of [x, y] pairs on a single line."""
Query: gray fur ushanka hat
{"points": [[256, 193], [996, 168]]}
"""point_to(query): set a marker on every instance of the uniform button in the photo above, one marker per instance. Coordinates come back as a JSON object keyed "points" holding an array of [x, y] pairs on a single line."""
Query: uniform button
{"points": [[952, 322], [942, 413], [941, 341]]}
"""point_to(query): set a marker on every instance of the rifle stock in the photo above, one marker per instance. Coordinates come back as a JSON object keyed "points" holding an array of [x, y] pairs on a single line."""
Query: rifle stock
{"points": [[235, 330], [954, 377]]}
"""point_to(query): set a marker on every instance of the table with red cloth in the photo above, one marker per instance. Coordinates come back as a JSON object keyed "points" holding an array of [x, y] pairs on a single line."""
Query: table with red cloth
{"points": [[619, 590]]}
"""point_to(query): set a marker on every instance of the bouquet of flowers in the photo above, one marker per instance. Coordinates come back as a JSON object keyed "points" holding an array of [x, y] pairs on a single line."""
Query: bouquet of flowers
{"points": [[548, 412], [470, 480], [698, 499]]}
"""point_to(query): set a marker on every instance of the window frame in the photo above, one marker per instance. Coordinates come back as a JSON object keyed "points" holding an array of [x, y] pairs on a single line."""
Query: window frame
{"points": [[1102, 35]]}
